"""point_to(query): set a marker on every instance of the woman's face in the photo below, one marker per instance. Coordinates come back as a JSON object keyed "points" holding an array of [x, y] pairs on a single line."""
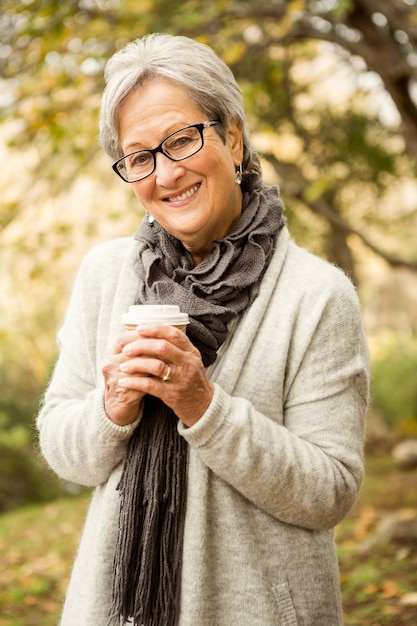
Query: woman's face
{"points": [[196, 200]]}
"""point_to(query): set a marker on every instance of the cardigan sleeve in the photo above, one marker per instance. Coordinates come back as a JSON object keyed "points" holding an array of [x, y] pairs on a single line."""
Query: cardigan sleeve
{"points": [[301, 461], [80, 443]]}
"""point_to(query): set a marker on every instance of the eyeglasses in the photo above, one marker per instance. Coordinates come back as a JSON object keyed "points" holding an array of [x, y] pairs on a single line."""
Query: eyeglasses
{"points": [[177, 147]]}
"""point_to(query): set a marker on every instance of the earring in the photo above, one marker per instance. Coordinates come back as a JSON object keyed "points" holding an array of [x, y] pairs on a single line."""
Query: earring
{"points": [[239, 175], [150, 218]]}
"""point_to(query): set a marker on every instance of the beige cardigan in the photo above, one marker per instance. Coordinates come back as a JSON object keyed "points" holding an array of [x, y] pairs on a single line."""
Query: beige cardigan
{"points": [[274, 464]]}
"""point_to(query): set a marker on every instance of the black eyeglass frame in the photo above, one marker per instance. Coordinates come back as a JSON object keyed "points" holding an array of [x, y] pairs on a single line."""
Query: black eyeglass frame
{"points": [[154, 151]]}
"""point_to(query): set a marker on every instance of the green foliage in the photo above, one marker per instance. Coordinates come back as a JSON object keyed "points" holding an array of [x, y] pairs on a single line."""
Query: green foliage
{"points": [[394, 388], [53, 55], [37, 546], [23, 476]]}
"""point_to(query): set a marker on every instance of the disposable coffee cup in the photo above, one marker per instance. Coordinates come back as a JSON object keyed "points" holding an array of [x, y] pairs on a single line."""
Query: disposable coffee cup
{"points": [[168, 314]]}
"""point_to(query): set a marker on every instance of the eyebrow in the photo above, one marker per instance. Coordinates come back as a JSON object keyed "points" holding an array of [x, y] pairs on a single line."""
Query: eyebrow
{"points": [[134, 146]]}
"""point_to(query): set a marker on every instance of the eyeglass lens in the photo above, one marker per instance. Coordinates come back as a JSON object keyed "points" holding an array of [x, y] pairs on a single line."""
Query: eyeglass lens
{"points": [[180, 145]]}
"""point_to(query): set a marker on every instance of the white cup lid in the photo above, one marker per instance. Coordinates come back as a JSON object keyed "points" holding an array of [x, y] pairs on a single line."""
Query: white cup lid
{"points": [[160, 313]]}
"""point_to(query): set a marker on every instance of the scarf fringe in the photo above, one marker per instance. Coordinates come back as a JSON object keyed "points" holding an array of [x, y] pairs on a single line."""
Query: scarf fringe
{"points": [[148, 551]]}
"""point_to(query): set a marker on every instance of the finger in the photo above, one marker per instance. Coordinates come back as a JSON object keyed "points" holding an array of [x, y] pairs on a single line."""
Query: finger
{"points": [[154, 386], [123, 340], [160, 349], [173, 334], [122, 403], [167, 344], [144, 366]]}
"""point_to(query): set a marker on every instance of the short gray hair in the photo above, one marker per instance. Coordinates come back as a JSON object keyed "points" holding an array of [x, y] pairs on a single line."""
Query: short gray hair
{"points": [[187, 63]]}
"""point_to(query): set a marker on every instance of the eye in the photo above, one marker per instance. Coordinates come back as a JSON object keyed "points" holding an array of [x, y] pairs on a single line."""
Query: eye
{"points": [[183, 143], [138, 160], [180, 142]]}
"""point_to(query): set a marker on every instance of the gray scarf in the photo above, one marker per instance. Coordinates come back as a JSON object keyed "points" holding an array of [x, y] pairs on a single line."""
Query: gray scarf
{"points": [[153, 484]]}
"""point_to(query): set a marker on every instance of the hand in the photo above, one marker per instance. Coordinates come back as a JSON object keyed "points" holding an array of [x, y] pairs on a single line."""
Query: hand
{"points": [[121, 404], [154, 352]]}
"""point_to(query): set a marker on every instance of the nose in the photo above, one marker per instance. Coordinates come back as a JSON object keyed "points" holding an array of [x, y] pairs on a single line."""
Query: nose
{"points": [[167, 171]]}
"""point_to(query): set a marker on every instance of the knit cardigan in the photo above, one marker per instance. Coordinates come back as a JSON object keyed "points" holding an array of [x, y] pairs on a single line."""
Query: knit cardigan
{"points": [[274, 463]]}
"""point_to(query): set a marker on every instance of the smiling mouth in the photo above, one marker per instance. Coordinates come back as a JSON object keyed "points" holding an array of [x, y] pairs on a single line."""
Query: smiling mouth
{"points": [[184, 195]]}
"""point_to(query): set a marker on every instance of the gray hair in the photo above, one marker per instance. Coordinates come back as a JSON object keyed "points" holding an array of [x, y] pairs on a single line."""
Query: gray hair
{"points": [[187, 63]]}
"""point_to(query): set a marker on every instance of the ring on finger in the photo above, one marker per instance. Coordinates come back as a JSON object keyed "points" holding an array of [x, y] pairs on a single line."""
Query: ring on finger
{"points": [[167, 376]]}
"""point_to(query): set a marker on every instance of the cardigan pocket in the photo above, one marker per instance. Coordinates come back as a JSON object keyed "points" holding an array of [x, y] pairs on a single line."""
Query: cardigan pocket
{"points": [[287, 616]]}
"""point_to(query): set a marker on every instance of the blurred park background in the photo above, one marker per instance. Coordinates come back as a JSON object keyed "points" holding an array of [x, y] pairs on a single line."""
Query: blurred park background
{"points": [[331, 97]]}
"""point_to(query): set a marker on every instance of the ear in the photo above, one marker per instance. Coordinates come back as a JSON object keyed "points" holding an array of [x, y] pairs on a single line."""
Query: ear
{"points": [[234, 140]]}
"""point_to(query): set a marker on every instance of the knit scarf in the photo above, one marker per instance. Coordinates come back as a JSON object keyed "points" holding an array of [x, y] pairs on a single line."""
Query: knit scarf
{"points": [[153, 484]]}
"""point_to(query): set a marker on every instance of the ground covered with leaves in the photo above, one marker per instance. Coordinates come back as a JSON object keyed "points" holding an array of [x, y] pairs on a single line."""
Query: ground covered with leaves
{"points": [[379, 579]]}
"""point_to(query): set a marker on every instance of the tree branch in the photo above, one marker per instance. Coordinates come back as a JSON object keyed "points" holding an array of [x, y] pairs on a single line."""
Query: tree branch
{"points": [[295, 186], [320, 207]]}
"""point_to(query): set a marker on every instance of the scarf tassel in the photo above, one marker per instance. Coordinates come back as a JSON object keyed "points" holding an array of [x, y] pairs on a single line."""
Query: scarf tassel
{"points": [[148, 552]]}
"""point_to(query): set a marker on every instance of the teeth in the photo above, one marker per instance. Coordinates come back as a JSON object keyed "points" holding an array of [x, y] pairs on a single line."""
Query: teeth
{"points": [[185, 195]]}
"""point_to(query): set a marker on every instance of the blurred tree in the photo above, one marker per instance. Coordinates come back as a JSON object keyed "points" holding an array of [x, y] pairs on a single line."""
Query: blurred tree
{"points": [[331, 100], [348, 151]]}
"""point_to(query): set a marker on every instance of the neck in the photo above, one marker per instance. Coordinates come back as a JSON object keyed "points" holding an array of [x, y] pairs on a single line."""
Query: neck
{"points": [[200, 257], [201, 252]]}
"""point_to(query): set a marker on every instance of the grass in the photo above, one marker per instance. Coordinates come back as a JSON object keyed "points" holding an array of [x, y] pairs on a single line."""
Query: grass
{"points": [[379, 582], [37, 544]]}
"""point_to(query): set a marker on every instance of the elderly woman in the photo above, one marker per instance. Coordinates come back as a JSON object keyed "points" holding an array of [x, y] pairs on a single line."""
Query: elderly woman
{"points": [[221, 459]]}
